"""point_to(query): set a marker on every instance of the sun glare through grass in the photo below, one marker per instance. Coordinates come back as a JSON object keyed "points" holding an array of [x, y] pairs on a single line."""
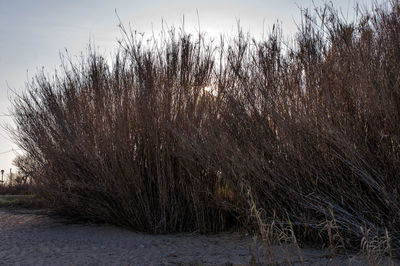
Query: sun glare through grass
{"points": [[210, 90]]}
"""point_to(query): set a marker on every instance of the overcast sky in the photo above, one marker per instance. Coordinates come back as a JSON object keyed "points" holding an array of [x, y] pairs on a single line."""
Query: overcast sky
{"points": [[34, 32]]}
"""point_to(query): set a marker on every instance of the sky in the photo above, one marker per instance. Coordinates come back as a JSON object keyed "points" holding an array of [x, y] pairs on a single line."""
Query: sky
{"points": [[33, 33]]}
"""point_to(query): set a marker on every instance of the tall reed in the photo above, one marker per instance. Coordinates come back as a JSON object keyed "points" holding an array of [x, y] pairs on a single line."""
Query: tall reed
{"points": [[178, 133]]}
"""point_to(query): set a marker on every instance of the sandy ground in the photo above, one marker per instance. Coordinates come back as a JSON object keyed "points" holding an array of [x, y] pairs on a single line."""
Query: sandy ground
{"points": [[29, 237]]}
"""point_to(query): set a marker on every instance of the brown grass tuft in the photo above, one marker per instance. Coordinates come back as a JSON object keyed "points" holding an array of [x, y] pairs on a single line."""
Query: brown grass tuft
{"points": [[311, 130]]}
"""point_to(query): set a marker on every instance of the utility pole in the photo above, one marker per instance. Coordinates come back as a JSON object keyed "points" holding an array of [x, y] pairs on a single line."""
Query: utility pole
{"points": [[2, 174]]}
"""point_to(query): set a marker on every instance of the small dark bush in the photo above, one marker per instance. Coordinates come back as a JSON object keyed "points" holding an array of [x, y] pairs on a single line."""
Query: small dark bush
{"points": [[17, 189]]}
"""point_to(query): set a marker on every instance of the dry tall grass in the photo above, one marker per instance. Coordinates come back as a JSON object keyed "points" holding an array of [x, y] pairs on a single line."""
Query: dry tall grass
{"points": [[308, 134]]}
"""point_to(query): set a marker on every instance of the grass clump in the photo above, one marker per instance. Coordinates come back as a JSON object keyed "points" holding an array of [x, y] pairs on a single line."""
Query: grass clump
{"points": [[22, 201], [179, 134]]}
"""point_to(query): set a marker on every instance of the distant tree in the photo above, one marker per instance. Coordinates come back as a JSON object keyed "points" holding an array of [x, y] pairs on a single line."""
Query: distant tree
{"points": [[26, 167]]}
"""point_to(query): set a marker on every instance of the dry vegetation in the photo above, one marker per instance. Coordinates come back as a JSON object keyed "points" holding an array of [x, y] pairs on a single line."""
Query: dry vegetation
{"points": [[302, 139]]}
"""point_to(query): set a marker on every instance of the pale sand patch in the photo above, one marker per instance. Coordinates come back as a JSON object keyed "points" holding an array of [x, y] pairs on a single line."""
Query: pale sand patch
{"points": [[32, 238]]}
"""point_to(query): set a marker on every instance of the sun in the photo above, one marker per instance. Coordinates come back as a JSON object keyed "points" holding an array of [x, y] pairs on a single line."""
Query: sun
{"points": [[210, 90]]}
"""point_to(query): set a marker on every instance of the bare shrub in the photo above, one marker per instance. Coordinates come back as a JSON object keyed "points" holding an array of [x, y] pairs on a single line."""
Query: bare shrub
{"points": [[311, 130]]}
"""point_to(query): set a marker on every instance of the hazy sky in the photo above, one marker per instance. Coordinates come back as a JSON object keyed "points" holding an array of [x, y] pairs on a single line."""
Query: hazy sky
{"points": [[34, 32]]}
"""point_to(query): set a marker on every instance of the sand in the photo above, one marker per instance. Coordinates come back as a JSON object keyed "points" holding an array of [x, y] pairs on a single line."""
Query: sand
{"points": [[30, 237]]}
